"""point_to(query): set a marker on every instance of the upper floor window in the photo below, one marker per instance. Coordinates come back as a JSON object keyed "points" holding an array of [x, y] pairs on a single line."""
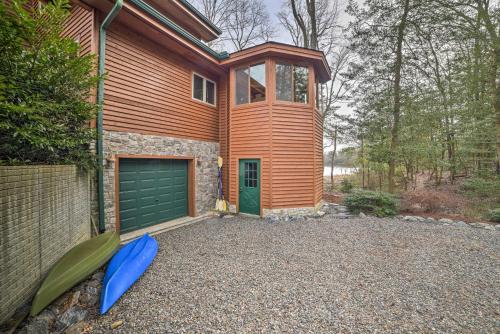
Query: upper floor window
{"points": [[250, 82], [292, 83], [203, 89]]}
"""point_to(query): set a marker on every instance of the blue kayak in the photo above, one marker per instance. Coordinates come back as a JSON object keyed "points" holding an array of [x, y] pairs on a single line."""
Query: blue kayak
{"points": [[126, 266]]}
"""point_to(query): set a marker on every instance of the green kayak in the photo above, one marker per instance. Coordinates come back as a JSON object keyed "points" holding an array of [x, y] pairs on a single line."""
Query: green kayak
{"points": [[76, 265]]}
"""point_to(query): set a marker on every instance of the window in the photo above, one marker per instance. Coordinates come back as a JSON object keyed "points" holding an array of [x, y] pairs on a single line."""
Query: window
{"points": [[250, 84], [210, 92], [292, 83], [250, 174], [284, 82], [203, 89]]}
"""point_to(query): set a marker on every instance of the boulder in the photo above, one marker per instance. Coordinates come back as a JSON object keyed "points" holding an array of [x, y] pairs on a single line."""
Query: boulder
{"points": [[445, 221], [70, 317], [77, 328], [272, 219]]}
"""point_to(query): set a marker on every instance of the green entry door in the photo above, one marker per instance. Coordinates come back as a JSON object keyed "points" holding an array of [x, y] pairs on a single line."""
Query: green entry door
{"points": [[151, 191], [249, 182]]}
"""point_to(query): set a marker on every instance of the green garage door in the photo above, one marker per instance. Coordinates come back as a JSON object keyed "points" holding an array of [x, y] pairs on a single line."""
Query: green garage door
{"points": [[151, 191]]}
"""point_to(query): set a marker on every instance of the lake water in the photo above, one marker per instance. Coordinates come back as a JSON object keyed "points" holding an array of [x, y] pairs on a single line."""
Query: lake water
{"points": [[338, 171]]}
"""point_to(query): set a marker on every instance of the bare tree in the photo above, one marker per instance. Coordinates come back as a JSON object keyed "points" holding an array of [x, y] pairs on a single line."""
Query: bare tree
{"points": [[311, 23], [214, 10], [314, 24], [247, 23], [243, 23]]}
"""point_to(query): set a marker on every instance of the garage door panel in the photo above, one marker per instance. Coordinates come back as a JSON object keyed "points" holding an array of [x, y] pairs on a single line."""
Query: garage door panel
{"points": [[151, 191]]}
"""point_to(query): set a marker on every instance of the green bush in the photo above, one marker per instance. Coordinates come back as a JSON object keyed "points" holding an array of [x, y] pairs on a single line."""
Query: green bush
{"points": [[482, 187], [45, 88], [346, 186], [371, 202], [494, 215]]}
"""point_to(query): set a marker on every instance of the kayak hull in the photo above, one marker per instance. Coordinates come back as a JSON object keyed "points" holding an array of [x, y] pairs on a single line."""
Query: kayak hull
{"points": [[126, 266], [76, 265]]}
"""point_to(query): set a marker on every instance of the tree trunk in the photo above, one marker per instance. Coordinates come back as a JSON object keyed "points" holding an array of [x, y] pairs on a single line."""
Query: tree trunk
{"points": [[491, 28], [368, 176], [301, 23], [496, 101], [397, 97], [311, 10]]}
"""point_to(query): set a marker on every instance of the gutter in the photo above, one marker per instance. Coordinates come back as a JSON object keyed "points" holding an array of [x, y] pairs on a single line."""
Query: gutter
{"points": [[100, 102]]}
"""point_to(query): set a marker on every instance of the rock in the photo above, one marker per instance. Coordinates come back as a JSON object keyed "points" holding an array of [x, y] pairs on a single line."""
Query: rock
{"points": [[75, 297], [445, 221], [116, 324], [362, 215], [483, 225], [71, 317], [343, 216], [497, 227], [488, 227], [77, 328], [461, 224], [89, 298], [42, 322], [228, 216], [410, 218], [37, 326], [319, 214], [272, 219], [98, 276], [430, 220]]}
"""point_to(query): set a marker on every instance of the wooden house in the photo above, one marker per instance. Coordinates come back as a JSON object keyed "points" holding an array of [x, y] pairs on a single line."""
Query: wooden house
{"points": [[171, 105]]}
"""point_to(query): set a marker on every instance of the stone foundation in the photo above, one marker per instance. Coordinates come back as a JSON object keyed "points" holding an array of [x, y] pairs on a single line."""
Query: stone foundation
{"points": [[204, 152], [305, 211]]}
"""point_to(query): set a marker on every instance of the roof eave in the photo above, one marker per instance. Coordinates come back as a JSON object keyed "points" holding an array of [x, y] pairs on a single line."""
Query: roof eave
{"points": [[280, 49], [151, 11]]}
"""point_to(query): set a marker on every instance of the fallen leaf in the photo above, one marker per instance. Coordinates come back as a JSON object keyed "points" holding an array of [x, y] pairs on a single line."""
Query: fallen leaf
{"points": [[116, 324]]}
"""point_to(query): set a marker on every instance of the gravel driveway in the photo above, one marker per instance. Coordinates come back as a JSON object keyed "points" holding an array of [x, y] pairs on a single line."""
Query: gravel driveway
{"points": [[320, 275]]}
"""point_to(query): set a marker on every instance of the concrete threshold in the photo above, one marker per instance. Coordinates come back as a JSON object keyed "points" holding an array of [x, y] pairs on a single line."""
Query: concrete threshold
{"points": [[163, 227]]}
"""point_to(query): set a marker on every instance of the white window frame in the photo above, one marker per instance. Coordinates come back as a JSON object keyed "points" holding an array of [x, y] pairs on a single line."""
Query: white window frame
{"points": [[205, 79]]}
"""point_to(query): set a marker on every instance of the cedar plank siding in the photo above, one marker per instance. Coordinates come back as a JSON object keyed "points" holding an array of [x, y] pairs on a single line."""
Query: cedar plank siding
{"points": [[250, 135], [293, 158], [80, 27], [148, 90]]}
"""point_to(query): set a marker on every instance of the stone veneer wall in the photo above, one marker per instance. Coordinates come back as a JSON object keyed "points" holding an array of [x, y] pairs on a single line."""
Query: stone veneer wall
{"points": [[304, 211], [206, 154], [44, 212]]}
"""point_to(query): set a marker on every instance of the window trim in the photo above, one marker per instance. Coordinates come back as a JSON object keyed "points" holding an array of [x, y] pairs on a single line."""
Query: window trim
{"points": [[248, 66], [205, 79], [293, 65]]}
